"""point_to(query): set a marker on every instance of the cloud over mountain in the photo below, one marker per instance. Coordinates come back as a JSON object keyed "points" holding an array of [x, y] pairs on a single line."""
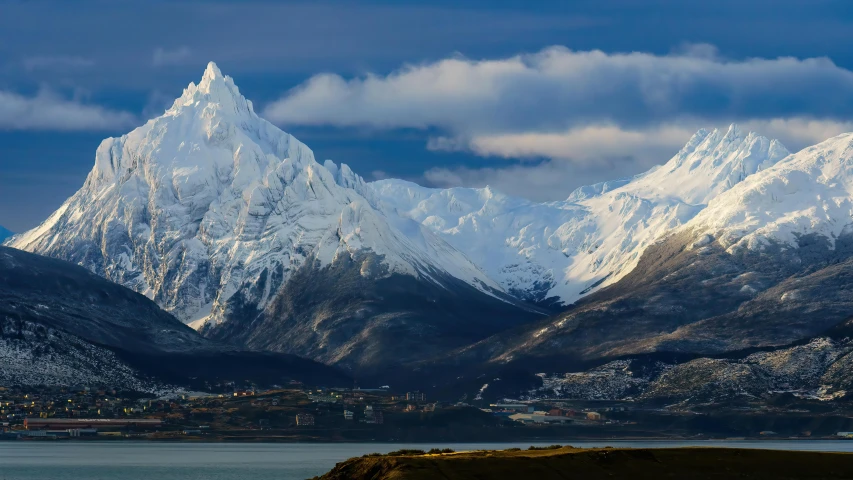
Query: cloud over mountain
{"points": [[557, 89], [583, 108]]}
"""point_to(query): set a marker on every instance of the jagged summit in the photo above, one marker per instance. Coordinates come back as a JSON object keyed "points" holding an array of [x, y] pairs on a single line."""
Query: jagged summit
{"points": [[212, 72], [217, 91], [211, 130], [709, 164]]}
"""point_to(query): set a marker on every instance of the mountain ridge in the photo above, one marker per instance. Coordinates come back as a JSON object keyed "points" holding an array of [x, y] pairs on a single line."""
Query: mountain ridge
{"points": [[232, 175], [566, 250], [766, 267]]}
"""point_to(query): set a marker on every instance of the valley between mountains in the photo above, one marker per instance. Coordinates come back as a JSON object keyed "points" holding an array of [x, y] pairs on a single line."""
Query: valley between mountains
{"points": [[213, 242]]}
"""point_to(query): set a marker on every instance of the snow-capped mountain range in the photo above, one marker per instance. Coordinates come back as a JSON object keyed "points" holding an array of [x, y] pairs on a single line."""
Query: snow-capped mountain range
{"points": [[766, 264], [568, 249], [231, 224]]}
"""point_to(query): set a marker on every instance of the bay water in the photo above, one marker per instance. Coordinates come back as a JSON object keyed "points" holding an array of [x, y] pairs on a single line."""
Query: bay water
{"points": [[63, 460]]}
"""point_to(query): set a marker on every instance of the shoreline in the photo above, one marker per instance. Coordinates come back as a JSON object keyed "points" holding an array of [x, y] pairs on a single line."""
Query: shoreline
{"points": [[232, 440]]}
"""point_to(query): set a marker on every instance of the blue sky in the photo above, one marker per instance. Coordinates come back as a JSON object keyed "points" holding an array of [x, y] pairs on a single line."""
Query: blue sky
{"points": [[534, 98]]}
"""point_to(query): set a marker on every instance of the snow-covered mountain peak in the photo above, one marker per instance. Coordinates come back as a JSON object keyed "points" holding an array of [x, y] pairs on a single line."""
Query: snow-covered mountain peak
{"points": [[210, 135], [216, 94], [209, 203], [709, 164], [211, 73]]}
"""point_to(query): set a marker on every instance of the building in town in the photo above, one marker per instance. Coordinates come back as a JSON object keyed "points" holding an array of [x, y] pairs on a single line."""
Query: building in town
{"points": [[415, 397], [305, 419]]}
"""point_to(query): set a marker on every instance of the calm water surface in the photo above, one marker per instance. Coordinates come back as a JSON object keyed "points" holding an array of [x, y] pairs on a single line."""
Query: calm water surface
{"points": [[230, 461]]}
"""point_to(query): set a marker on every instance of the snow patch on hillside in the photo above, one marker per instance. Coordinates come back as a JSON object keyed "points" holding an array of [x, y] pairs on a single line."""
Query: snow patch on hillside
{"points": [[35, 355]]}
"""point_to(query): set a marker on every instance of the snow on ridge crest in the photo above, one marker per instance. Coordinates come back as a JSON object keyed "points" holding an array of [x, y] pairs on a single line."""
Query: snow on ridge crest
{"points": [[810, 192], [709, 164]]}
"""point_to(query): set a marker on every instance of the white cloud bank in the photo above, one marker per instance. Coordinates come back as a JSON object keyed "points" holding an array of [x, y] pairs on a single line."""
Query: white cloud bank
{"points": [[557, 88], [49, 111], [582, 111]]}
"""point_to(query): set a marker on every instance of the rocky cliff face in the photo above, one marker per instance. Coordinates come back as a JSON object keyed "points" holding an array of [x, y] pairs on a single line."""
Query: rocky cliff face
{"points": [[814, 370]]}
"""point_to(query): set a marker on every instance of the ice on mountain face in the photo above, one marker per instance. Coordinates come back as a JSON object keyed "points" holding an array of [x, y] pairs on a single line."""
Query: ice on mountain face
{"points": [[209, 200], [807, 198], [569, 249]]}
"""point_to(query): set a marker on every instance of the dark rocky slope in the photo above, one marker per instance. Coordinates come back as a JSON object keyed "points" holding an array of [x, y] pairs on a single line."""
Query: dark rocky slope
{"points": [[691, 300], [60, 323], [692, 321], [369, 323]]}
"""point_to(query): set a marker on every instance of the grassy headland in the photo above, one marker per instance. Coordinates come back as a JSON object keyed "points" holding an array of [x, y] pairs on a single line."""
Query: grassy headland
{"points": [[601, 463]]}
